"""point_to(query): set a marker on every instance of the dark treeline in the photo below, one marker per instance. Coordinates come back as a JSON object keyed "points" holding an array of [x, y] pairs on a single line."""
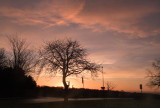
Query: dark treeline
{"points": [[46, 91]]}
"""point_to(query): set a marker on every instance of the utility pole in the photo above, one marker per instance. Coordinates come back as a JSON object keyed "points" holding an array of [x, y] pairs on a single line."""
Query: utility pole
{"points": [[103, 88]]}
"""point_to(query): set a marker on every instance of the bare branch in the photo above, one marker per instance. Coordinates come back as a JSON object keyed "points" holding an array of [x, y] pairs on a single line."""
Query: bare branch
{"points": [[3, 58], [22, 56]]}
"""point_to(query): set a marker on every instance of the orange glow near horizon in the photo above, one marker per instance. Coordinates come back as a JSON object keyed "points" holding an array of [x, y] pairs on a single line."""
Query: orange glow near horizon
{"points": [[121, 84]]}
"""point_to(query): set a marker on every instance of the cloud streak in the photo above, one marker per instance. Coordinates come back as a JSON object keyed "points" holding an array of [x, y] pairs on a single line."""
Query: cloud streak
{"points": [[135, 18], [47, 13]]}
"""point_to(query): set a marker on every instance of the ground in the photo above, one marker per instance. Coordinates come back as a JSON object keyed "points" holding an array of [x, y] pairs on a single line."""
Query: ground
{"points": [[107, 103]]}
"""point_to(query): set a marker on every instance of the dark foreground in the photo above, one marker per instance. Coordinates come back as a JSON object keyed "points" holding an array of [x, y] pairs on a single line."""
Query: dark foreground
{"points": [[106, 103]]}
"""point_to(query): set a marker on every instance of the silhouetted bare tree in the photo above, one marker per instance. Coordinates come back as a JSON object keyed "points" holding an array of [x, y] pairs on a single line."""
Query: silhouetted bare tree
{"points": [[110, 85], [66, 57], [22, 57], [15, 69], [154, 75]]}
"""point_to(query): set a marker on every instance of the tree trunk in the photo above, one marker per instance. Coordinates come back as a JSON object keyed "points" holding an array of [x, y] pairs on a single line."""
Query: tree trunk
{"points": [[65, 89]]}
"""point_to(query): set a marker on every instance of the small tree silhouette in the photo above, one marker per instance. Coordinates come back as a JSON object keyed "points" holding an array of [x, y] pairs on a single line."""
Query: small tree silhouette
{"points": [[68, 58], [154, 75], [110, 85]]}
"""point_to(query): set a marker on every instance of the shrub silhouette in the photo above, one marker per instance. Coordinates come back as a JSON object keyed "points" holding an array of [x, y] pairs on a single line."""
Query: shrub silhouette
{"points": [[14, 82]]}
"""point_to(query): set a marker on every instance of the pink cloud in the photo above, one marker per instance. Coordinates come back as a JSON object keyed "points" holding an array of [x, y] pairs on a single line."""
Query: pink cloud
{"points": [[118, 16], [48, 13], [121, 16]]}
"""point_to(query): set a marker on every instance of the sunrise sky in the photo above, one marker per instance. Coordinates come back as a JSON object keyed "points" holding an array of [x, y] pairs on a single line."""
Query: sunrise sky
{"points": [[123, 35]]}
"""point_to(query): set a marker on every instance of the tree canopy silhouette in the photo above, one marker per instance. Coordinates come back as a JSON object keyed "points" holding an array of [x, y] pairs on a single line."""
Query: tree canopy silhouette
{"points": [[66, 57], [154, 75]]}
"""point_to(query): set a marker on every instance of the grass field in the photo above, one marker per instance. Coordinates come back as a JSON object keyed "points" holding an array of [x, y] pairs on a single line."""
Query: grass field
{"points": [[112, 103]]}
